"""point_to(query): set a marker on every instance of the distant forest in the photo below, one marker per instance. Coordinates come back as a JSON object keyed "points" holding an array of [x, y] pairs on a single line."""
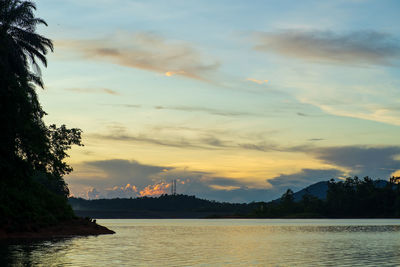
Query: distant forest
{"points": [[351, 198]]}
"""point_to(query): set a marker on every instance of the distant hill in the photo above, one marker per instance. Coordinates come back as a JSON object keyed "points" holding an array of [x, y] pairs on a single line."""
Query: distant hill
{"points": [[320, 190], [164, 206]]}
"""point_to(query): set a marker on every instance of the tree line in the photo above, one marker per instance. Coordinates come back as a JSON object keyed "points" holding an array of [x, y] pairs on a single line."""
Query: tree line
{"points": [[349, 198]]}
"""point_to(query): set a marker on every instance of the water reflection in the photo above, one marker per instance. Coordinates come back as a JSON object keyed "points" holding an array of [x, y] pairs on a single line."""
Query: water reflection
{"points": [[33, 252], [220, 242]]}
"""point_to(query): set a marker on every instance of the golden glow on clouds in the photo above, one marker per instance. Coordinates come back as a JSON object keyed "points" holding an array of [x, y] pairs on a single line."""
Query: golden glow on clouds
{"points": [[395, 173], [252, 168], [155, 190], [172, 73], [224, 187], [257, 81], [133, 187]]}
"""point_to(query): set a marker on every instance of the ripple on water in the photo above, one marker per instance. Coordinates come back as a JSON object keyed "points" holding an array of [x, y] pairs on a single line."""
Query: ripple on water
{"points": [[220, 243]]}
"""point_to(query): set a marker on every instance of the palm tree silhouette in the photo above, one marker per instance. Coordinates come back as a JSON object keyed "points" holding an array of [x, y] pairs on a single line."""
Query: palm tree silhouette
{"points": [[21, 48]]}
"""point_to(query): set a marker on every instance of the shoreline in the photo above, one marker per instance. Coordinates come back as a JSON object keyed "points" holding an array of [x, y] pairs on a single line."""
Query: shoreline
{"points": [[72, 228]]}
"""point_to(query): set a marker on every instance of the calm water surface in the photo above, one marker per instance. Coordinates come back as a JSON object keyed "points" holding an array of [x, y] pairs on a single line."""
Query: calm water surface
{"points": [[219, 243]]}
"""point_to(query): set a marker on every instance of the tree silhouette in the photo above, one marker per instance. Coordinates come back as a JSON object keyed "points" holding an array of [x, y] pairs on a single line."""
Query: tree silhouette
{"points": [[21, 45], [31, 154]]}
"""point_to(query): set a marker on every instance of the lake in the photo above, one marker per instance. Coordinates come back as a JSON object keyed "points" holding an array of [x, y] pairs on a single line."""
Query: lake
{"points": [[220, 242]]}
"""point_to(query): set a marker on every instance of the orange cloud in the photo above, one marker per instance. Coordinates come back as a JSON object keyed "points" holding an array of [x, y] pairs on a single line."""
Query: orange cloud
{"points": [[172, 73], [155, 190], [131, 187], [257, 81]]}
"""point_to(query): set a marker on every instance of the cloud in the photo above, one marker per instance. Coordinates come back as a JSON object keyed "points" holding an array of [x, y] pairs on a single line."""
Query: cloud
{"points": [[124, 179], [208, 110], [148, 52], [212, 111], [257, 81], [178, 142], [376, 162], [355, 48], [126, 191], [206, 142], [155, 190], [315, 139], [118, 172], [302, 114], [172, 73], [369, 111], [124, 105], [94, 90], [305, 177], [93, 193]]}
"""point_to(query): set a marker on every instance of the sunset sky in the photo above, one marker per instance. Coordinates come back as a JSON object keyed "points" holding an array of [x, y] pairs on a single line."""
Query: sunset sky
{"points": [[237, 100]]}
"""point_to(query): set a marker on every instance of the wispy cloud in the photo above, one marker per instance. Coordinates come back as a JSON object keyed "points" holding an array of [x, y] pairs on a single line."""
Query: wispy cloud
{"points": [[315, 139], [355, 48], [211, 111], [204, 142], [178, 142], [149, 52], [94, 91], [257, 81], [172, 73], [124, 105], [301, 114]]}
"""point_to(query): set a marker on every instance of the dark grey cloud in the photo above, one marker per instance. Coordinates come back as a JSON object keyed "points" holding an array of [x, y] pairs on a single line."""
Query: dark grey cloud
{"points": [[94, 91], [305, 177], [376, 162], [120, 172], [239, 191], [355, 48]]}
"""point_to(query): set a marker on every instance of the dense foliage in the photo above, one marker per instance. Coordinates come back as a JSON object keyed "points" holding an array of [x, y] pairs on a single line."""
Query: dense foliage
{"points": [[32, 188], [163, 203], [351, 198]]}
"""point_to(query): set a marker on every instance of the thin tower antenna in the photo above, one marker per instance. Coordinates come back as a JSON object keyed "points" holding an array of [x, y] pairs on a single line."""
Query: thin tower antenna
{"points": [[174, 186]]}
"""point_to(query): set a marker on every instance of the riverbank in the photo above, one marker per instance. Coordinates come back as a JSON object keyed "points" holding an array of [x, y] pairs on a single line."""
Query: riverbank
{"points": [[74, 227]]}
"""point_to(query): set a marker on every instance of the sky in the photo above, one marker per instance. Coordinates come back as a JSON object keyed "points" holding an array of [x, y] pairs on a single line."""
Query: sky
{"points": [[236, 100]]}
